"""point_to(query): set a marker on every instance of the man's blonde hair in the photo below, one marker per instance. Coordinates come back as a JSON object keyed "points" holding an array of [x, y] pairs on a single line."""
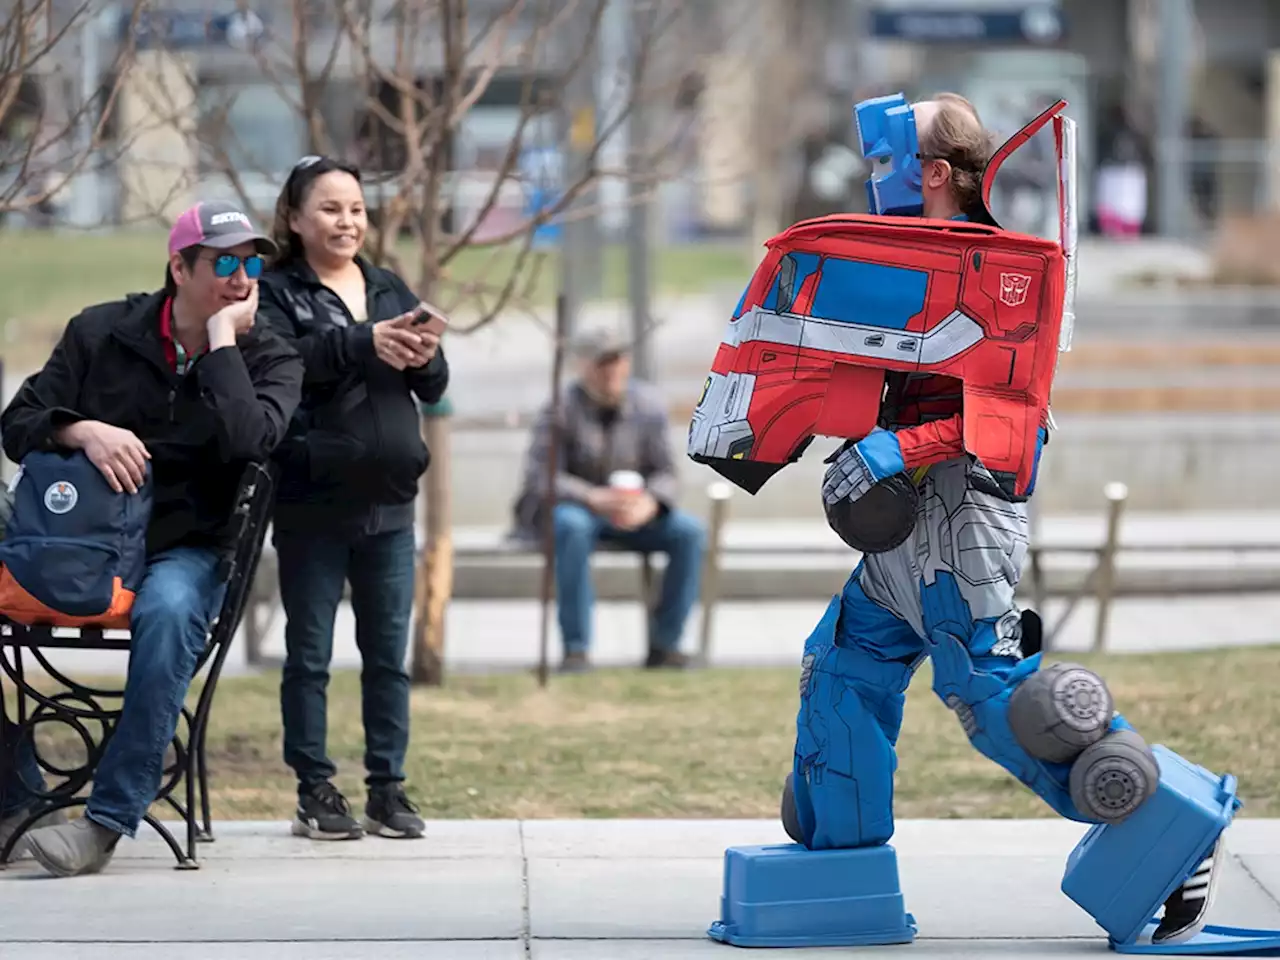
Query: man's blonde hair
{"points": [[956, 135]]}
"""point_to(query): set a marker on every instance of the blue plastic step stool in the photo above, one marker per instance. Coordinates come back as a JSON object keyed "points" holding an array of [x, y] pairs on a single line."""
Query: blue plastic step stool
{"points": [[785, 895], [1121, 874]]}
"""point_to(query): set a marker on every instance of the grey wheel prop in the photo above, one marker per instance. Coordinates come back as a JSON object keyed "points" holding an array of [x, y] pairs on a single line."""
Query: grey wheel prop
{"points": [[790, 819], [1058, 711], [1112, 778]]}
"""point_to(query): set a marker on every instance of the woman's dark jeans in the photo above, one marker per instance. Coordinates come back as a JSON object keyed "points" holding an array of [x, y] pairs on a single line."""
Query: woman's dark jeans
{"points": [[313, 568]]}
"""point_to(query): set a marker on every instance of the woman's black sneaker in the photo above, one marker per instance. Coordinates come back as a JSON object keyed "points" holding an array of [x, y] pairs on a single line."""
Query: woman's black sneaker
{"points": [[390, 814], [324, 814]]}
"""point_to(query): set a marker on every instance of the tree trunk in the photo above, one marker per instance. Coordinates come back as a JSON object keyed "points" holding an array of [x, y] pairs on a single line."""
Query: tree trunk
{"points": [[434, 585]]}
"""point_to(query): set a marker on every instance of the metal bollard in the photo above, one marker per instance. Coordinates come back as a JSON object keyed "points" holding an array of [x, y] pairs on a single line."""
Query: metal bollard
{"points": [[718, 493], [1117, 494]]}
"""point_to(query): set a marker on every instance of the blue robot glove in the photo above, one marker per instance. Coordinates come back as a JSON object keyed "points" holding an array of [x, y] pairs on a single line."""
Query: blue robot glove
{"points": [[858, 467], [869, 500]]}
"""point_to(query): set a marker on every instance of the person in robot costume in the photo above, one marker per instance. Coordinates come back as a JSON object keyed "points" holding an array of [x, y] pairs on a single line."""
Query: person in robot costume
{"points": [[943, 587]]}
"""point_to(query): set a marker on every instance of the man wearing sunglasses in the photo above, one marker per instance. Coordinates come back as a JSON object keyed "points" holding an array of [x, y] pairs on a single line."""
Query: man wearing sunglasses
{"points": [[183, 382]]}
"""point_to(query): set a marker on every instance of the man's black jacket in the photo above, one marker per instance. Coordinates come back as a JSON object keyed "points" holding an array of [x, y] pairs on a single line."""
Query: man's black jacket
{"points": [[232, 407], [354, 454]]}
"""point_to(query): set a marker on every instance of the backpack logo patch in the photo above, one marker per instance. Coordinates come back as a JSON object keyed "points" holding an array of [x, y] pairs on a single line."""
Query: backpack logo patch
{"points": [[61, 497]]}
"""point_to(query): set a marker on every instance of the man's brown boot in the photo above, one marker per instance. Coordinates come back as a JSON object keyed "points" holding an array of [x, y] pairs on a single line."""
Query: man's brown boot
{"points": [[575, 663], [666, 660], [73, 849], [10, 824]]}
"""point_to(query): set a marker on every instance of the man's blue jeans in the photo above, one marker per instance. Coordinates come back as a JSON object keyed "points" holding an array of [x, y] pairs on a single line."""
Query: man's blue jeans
{"points": [[577, 530], [313, 568], [177, 601]]}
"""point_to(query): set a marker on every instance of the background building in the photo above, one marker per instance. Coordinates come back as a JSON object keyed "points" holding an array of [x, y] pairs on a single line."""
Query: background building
{"points": [[1176, 99]]}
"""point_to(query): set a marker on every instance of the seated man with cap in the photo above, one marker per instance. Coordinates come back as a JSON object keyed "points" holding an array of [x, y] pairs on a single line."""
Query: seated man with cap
{"points": [[615, 482], [183, 381]]}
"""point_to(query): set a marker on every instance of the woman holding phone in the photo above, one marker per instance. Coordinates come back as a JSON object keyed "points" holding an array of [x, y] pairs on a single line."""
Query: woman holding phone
{"points": [[350, 467]]}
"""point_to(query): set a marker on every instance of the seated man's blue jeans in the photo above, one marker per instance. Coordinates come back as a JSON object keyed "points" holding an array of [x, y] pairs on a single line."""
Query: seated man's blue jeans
{"points": [[180, 595], [313, 569], [577, 531]]}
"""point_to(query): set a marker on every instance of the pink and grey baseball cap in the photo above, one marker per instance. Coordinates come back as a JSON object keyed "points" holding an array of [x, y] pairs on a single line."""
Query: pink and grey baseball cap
{"points": [[218, 225]]}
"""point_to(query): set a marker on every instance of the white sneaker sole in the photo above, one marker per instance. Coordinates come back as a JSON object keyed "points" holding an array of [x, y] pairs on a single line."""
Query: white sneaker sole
{"points": [[311, 832], [376, 829]]}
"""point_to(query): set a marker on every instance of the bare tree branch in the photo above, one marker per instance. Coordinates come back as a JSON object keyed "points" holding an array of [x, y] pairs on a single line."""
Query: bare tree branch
{"points": [[33, 49], [419, 69]]}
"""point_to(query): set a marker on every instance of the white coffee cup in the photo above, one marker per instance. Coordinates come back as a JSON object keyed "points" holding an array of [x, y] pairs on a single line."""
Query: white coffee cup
{"points": [[626, 480]]}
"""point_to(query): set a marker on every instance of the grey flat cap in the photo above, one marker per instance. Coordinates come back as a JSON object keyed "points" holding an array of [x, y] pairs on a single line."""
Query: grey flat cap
{"points": [[601, 344]]}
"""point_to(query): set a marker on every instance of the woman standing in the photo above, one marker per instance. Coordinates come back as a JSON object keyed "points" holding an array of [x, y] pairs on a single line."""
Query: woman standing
{"points": [[345, 507]]}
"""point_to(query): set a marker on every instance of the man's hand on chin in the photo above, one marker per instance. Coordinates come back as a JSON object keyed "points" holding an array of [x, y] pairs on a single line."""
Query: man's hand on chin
{"points": [[233, 320]]}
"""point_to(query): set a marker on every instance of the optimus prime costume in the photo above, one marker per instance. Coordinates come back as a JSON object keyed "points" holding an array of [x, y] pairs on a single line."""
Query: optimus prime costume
{"points": [[930, 347]]}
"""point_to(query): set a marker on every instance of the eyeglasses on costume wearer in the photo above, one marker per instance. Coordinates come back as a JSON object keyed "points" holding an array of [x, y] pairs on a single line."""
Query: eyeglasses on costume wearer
{"points": [[226, 264]]}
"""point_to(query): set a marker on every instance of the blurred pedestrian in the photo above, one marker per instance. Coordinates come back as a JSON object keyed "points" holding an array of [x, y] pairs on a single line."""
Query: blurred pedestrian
{"points": [[1122, 191], [616, 482]]}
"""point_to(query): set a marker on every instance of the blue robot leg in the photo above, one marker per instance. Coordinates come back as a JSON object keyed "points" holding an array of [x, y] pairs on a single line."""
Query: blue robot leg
{"points": [[1055, 730], [857, 664]]}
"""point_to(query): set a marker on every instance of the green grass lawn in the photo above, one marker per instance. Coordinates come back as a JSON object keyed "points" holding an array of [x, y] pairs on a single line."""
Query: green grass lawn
{"points": [[717, 743], [46, 277]]}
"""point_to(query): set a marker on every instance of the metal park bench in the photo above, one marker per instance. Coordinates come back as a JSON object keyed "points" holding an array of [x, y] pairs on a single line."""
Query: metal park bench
{"points": [[92, 712]]}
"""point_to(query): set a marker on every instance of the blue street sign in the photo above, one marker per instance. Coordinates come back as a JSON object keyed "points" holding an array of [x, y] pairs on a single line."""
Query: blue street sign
{"points": [[541, 170], [1039, 24]]}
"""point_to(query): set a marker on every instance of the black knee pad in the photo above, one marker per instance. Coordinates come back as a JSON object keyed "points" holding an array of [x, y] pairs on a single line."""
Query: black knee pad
{"points": [[1032, 633], [880, 519]]}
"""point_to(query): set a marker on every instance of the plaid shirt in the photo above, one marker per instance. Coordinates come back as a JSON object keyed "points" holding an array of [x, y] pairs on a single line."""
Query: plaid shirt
{"points": [[590, 450]]}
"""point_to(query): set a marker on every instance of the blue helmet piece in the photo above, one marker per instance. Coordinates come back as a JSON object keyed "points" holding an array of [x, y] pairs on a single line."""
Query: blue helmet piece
{"points": [[887, 136]]}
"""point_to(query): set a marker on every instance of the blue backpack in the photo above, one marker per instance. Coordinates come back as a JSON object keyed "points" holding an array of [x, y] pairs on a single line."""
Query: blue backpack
{"points": [[74, 551]]}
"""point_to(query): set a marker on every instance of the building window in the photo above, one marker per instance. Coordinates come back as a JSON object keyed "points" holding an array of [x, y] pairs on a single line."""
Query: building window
{"points": [[250, 126]]}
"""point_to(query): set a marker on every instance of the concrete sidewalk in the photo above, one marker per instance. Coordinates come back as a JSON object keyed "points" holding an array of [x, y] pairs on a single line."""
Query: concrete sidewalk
{"points": [[559, 890]]}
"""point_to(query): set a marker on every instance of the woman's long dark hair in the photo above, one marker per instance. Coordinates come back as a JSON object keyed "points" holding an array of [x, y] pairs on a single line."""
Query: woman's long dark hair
{"points": [[294, 194]]}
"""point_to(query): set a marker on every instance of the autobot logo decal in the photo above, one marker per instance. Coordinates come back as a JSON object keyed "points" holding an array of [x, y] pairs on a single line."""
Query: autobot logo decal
{"points": [[1013, 289], [61, 497]]}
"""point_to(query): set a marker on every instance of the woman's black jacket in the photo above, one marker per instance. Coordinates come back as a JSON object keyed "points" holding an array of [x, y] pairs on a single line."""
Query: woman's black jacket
{"points": [[354, 454]]}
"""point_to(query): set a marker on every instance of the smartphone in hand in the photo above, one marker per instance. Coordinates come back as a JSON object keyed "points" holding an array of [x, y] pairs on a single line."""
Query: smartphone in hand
{"points": [[430, 318]]}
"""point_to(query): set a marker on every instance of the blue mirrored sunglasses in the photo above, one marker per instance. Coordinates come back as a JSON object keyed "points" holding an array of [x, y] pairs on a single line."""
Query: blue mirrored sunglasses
{"points": [[225, 264]]}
